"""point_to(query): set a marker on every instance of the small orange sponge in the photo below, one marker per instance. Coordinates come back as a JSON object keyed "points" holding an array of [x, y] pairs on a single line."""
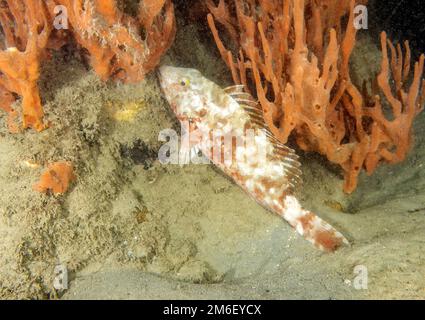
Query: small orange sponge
{"points": [[56, 178]]}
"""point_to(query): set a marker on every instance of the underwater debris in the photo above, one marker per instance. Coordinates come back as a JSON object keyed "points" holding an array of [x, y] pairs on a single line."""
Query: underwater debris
{"points": [[56, 178], [295, 54], [142, 215], [30, 164], [127, 112], [140, 153], [336, 205]]}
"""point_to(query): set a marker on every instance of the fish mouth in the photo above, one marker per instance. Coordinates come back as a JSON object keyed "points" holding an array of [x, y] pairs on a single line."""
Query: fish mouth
{"points": [[165, 75], [161, 70], [161, 73], [164, 70]]}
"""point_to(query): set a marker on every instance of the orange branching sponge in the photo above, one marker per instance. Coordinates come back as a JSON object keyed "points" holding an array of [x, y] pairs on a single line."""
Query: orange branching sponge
{"points": [[295, 55], [25, 33], [383, 121], [56, 178], [122, 46]]}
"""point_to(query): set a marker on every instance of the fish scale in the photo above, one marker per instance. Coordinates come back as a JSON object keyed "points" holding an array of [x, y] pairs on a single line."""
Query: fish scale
{"points": [[271, 180]]}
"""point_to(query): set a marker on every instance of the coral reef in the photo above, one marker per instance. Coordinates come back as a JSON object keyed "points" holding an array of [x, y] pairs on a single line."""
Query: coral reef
{"points": [[295, 55], [121, 47]]}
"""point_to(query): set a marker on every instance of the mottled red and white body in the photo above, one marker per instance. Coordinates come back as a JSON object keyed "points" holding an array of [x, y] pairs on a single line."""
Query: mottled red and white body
{"points": [[271, 179]]}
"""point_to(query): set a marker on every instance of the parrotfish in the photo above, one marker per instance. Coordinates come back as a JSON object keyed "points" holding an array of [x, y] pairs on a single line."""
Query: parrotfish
{"points": [[272, 179]]}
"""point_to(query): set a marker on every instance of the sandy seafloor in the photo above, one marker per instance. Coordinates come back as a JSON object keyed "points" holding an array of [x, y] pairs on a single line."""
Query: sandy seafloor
{"points": [[132, 228]]}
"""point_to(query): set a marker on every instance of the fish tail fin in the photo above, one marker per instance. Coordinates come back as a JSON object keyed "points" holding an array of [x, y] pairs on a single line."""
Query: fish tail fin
{"points": [[314, 229]]}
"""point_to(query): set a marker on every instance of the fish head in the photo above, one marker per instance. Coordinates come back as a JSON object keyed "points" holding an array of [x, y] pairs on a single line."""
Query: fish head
{"points": [[185, 90]]}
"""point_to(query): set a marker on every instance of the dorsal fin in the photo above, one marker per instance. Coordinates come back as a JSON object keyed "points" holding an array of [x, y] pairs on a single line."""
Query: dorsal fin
{"points": [[241, 95], [250, 103], [235, 89], [289, 159]]}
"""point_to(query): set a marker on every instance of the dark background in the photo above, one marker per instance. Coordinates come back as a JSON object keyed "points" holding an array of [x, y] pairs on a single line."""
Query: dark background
{"points": [[401, 19]]}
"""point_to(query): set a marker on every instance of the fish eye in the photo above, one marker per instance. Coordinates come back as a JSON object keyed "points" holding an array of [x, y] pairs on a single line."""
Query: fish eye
{"points": [[184, 83]]}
